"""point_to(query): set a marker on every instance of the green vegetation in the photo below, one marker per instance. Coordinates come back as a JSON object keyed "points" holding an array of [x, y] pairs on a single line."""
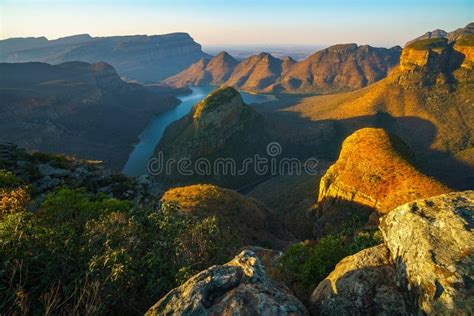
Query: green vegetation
{"points": [[432, 43], [466, 40], [85, 253], [304, 265], [8, 179], [216, 98]]}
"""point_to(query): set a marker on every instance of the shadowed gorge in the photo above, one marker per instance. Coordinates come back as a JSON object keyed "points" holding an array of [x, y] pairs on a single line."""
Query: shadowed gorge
{"points": [[66, 108]]}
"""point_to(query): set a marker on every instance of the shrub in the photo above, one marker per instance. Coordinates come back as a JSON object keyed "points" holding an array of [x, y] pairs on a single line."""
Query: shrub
{"points": [[8, 179], [84, 253], [304, 265]]}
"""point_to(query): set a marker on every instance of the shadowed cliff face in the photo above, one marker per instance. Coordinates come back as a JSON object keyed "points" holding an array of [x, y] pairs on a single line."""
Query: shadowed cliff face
{"points": [[143, 58], [75, 108]]}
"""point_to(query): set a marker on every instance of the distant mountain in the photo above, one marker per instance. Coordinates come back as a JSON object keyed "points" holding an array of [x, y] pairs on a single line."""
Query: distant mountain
{"points": [[215, 71], [75, 108], [140, 57], [451, 36], [256, 72], [433, 34], [337, 68]]}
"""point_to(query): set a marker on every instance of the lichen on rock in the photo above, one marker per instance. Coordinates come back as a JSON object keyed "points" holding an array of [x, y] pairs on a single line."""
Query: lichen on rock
{"points": [[239, 287]]}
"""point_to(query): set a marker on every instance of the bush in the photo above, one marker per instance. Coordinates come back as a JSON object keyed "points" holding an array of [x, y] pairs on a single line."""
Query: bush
{"points": [[8, 179], [304, 265], [85, 253]]}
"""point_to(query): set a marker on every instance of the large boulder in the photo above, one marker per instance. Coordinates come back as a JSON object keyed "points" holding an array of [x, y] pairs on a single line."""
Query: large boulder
{"points": [[239, 287], [431, 242], [364, 283]]}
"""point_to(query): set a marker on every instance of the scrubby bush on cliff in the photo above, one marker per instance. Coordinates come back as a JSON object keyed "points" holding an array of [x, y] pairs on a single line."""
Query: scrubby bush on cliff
{"points": [[87, 253], [304, 265]]}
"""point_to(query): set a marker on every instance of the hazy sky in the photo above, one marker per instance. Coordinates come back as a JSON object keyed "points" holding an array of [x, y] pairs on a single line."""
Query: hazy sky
{"points": [[224, 22]]}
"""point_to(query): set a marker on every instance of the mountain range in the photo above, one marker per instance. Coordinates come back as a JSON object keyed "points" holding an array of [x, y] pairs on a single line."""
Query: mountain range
{"points": [[337, 68], [375, 229], [142, 58]]}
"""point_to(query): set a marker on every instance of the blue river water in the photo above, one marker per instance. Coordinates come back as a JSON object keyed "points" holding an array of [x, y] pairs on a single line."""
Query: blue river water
{"points": [[151, 135]]}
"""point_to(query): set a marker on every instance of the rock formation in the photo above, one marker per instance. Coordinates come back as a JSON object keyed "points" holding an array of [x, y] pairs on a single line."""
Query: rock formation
{"points": [[431, 241], [251, 222], [75, 108], [143, 58], [374, 172], [220, 126], [239, 287], [361, 284], [425, 264]]}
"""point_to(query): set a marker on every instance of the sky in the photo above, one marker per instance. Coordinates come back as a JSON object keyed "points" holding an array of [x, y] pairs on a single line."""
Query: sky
{"points": [[246, 22]]}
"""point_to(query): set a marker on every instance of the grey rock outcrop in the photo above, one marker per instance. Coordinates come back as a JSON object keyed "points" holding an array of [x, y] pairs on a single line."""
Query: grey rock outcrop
{"points": [[45, 172], [431, 242], [239, 287], [426, 264], [364, 283]]}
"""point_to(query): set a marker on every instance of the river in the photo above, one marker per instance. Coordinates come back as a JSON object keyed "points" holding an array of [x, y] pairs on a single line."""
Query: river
{"points": [[151, 135]]}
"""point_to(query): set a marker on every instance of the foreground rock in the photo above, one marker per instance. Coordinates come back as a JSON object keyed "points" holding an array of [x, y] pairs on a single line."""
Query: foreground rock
{"points": [[425, 264], [432, 243], [363, 283], [239, 287]]}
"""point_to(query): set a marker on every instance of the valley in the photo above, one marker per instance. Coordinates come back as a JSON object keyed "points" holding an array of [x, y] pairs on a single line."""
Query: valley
{"points": [[138, 160], [141, 175]]}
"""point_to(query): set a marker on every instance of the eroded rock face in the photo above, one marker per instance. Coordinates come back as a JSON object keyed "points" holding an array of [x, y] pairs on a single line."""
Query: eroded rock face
{"points": [[364, 283], [432, 243], [239, 287]]}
